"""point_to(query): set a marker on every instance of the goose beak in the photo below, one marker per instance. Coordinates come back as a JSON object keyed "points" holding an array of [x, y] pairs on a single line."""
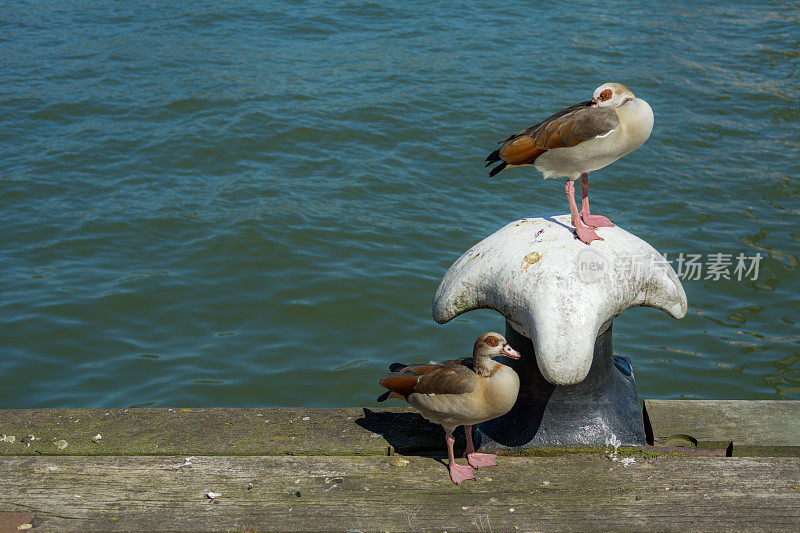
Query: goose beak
{"points": [[508, 351]]}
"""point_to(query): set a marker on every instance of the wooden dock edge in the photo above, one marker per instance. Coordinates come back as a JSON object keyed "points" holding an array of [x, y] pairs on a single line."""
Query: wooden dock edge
{"points": [[710, 466], [742, 428], [766, 428]]}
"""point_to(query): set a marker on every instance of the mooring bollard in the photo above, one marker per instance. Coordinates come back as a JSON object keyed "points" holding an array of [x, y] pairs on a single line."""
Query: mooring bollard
{"points": [[559, 297]]}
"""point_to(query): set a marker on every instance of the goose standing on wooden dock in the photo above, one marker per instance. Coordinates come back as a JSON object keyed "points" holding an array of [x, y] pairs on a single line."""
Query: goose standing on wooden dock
{"points": [[459, 392], [577, 140]]}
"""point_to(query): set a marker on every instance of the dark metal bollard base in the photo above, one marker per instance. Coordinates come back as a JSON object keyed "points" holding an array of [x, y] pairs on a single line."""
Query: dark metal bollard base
{"points": [[602, 410]]}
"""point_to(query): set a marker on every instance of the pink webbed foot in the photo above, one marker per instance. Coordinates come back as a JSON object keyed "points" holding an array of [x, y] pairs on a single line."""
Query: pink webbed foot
{"points": [[460, 473], [596, 221], [587, 234], [480, 460], [584, 233]]}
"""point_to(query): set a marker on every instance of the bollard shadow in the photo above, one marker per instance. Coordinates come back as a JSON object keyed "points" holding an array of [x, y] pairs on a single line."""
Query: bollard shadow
{"points": [[410, 434], [523, 422], [603, 406], [519, 426]]}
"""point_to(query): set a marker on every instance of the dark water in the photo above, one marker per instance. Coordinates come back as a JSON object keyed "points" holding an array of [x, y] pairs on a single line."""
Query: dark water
{"points": [[251, 204]]}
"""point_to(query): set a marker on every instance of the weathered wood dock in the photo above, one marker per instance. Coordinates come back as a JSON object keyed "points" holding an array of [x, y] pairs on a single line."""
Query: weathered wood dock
{"points": [[711, 466]]}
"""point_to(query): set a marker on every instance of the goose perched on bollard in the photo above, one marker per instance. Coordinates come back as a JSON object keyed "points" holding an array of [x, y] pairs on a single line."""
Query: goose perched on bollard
{"points": [[577, 140], [459, 392]]}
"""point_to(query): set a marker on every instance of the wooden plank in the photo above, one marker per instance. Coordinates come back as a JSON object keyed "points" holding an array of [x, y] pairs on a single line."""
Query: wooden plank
{"points": [[217, 431], [759, 428], [578, 492]]}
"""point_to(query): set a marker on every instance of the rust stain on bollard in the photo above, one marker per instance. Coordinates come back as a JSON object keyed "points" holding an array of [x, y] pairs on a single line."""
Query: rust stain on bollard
{"points": [[530, 259]]}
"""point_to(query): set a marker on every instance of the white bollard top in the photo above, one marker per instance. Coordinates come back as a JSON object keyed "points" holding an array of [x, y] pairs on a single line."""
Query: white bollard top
{"points": [[558, 291]]}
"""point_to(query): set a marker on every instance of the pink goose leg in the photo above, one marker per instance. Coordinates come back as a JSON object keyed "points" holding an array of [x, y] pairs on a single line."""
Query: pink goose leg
{"points": [[596, 221], [458, 473], [585, 233], [478, 460]]}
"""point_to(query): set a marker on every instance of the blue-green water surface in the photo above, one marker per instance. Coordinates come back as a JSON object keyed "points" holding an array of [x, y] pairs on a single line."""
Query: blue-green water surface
{"points": [[252, 203]]}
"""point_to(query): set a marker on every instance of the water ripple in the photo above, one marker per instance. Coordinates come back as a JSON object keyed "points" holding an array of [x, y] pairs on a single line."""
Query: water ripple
{"points": [[209, 205]]}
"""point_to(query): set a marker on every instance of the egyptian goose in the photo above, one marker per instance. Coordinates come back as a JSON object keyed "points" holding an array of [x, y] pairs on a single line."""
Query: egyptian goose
{"points": [[577, 140], [459, 392]]}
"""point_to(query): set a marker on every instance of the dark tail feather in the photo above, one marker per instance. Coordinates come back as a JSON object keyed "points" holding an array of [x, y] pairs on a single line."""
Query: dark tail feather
{"points": [[494, 157], [394, 367], [498, 168], [383, 396]]}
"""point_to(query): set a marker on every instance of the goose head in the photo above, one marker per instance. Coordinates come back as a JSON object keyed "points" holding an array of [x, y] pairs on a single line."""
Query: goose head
{"points": [[611, 95], [492, 344]]}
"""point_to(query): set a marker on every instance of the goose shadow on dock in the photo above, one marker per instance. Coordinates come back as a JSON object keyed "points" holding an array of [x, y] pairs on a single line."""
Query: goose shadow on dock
{"points": [[409, 433]]}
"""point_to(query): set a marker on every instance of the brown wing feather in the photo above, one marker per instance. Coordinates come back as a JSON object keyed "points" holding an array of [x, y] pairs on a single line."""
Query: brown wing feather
{"points": [[565, 111], [568, 127], [520, 151], [400, 384], [456, 362], [447, 380], [570, 130], [419, 369], [410, 378]]}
